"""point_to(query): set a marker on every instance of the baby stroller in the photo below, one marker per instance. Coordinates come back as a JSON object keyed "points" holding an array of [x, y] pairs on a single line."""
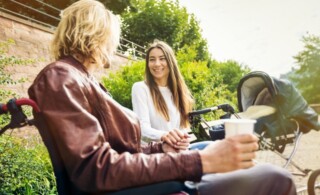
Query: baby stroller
{"points": [[282, 116], [281, 112]]}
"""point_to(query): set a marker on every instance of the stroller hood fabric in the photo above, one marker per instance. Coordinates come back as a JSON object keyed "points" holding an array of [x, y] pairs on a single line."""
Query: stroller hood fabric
{"points": [[283, 95], [293, 105]]}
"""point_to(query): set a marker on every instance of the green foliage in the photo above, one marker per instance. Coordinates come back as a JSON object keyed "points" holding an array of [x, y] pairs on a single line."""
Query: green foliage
{"points": [[231, 73], [306, 75], [164, 20], [118, 6], [25, 170], [200, 81], [119, 84], [5, 78], [207, 89], [6, 60], [5, 96]]}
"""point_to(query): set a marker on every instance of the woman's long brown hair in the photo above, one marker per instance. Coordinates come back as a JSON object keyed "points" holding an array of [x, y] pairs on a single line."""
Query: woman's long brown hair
{"points": [[182, 97]]}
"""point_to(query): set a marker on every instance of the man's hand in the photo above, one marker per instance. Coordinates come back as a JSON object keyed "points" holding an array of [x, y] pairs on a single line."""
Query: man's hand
{"points": [[236, 152]]}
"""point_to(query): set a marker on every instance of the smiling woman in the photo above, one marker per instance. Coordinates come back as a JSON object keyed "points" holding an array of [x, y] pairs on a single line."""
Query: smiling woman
{"points": [[163, 100]]}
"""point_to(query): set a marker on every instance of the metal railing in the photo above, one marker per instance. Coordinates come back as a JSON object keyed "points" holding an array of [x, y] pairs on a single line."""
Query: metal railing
{"points": [[131, 49], [47, 15]]}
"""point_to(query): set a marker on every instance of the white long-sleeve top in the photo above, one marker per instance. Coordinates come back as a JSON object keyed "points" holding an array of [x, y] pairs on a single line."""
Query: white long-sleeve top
{"points": [[153, 125]]}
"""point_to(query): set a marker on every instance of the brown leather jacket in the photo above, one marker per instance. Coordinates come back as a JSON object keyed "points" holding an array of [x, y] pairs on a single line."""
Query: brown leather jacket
{"points": [[97, 138]]}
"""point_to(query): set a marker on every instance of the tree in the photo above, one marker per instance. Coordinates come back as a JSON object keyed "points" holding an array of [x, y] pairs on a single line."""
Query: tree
{"points": [[164, 20], [306, 74], [231, 73]]}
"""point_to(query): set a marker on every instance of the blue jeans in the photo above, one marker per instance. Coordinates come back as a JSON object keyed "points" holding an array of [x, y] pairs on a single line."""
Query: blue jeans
{"points": [[199, 145]]}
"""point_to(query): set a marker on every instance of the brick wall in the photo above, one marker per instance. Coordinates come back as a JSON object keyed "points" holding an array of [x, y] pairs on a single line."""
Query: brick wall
{"points": [[32, 41]]}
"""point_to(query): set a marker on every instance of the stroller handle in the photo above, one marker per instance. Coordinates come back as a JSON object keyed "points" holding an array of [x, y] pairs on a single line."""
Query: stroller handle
{"points": [[4, 108], [224, 107]]}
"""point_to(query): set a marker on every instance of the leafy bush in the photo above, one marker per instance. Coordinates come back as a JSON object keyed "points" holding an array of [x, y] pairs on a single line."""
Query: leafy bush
{"points": [[208, 90], [204, 84], [119, 84], [5, 78], [25, 170], [7, 60]]}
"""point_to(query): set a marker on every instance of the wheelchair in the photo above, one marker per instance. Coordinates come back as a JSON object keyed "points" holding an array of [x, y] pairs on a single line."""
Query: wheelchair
{"points": [[18, 119]]}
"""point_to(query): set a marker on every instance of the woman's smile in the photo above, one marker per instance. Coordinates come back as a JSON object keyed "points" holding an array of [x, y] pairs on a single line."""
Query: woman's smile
{"points": [[158, 66]]}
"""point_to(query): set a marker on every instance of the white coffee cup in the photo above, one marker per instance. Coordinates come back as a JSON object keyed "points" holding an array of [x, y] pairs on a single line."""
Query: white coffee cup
{"points": [[238, 126]]}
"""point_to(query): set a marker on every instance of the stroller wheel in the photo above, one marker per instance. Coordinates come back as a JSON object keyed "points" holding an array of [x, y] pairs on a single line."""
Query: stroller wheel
{"points": [[314, 183]]}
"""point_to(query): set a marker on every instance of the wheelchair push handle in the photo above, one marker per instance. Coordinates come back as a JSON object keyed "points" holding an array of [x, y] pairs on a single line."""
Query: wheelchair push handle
{"points": [[4, 108], [224, 107], [17, 116]]}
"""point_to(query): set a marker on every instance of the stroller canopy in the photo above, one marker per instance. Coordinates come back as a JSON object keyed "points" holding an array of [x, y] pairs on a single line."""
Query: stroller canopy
{"points": [[258, 88]]}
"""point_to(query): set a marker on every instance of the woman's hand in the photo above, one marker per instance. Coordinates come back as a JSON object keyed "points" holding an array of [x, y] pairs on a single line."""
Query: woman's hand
{"points": [[177, 139], [168, 148]]}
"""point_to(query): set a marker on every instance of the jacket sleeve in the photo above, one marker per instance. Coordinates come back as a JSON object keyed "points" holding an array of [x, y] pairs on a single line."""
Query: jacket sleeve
{"points": [[152, 147], [141, 108], [91, 163]]}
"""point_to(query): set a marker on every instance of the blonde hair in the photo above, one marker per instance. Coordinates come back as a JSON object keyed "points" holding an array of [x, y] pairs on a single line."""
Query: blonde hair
{"points": [[182, 97], [89, 29]]}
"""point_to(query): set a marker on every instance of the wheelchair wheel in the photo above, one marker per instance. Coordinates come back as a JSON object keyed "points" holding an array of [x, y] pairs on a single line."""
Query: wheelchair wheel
{"points": [[314, 183]]}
